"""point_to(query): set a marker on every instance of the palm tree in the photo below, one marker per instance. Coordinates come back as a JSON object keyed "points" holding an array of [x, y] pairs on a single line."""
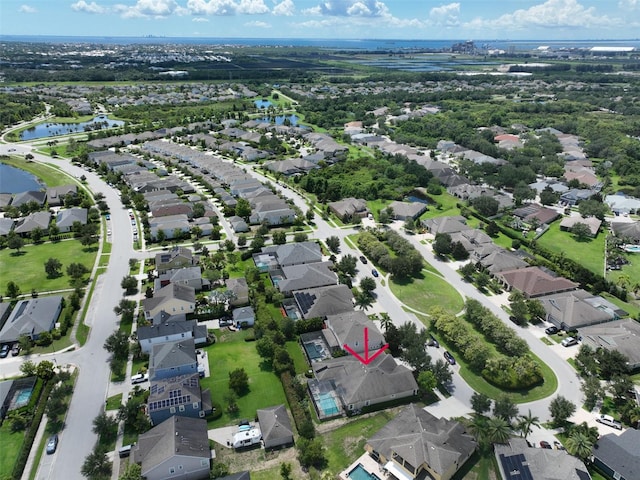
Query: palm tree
{"points": [[363, 300], [385, 321], [579, 444], [525, 423], [498, 430], [623, 281], [478, 428]]}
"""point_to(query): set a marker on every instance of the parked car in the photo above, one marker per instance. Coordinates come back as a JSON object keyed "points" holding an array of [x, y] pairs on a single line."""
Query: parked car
{"points": [[449, 357], [139, 378], [375, 273], [558, 446], [545, 444], [107, 217], [363, 259], [4, 350], [15, 350], [609, 420], [569, 341], [551, 330], [52, 444], [432, 342]]}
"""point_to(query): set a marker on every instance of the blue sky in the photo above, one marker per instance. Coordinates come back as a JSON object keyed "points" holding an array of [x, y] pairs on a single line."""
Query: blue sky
{"points": [[398, 19]]}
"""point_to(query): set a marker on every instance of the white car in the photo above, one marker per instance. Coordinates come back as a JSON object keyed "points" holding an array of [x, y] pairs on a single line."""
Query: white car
{"points": [[609, 420], [139, 378], [569, 341]]}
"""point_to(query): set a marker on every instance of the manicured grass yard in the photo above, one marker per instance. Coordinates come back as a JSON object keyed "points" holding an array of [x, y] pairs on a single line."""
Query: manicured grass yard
{"points": [[50, 175], [447, 206], [426, 292], [227, 355], [114, 402], [588, 253], [30, 264], [11, 444]]}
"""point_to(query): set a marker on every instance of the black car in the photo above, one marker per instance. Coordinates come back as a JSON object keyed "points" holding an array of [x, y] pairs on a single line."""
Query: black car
{"points": [[551, 330], [363, 259], [449, 357], [432, 342], [545, 444], [52, 444], [4, 350], [375, 273]]}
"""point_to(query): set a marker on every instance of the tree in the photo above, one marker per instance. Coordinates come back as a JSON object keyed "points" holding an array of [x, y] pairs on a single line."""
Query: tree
{"points": [[300, 237], [54, 231], [504, 407], [561, 409], [478, 428], [368, 284], [15, 241], [13, 290], [45, 370], [525, 422], [239, 381], [363, 300], [243, 208], [498, 430], [385, 321], [592, 390], [579, 445], [548, 196], [96, 465], [285, 471], [279, 237], [198, 210], [117, 344], [519, 311], [492, 229], [581, 231], [310, 215], [442, 370], [592, 208], [347, 265], [126, 308], [442, 244], [467, 270], [522, 192], [133, 471], [161, 236], [480, 403], [482, 279], [427, 381], [536, 309], [458, 252], [36, 235], [485, 205], [130, 285], [311, 453], [76, 271], [28, 368], [105, 426], [52, 268], [333, 243]]}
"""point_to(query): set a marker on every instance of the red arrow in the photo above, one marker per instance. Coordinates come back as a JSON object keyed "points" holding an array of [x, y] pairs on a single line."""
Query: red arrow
{"points": [[367, 359]]}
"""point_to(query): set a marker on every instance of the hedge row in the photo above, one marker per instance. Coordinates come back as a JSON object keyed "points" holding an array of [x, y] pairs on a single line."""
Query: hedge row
{"points": [[301, 415], [30, 433]]}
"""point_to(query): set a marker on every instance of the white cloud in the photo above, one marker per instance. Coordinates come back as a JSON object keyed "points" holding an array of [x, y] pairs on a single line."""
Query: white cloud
{"points": [[199, 19], [27, 9], [445, 15], [257, 24], [227, 7], [285, 8], [82, 6], [629, 4], [150, 8], [350, 8]]}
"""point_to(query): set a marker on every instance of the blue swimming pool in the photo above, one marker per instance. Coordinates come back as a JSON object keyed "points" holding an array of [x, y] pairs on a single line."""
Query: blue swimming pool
{"points": [[359, 473], [328, 404], [22, 397]]}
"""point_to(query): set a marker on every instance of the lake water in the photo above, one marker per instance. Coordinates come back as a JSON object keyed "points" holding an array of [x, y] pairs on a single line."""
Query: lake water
{"points": [[279, 119], [262, 103], [14, 180], [45, 130]]}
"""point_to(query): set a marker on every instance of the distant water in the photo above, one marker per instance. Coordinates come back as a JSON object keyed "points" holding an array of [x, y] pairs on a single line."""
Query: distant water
{"points": [[328, 43], [44, 130], [15, 180]]}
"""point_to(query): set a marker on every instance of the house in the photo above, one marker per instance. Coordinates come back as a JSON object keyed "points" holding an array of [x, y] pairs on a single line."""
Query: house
{"points": [[354, 386], [585, 176], [31, 317], [536, 213], [347, 329], [6, 225], [302, 277], [618, 456], [349, 208], [240, 289], [173, 299], [405, 210], [471, 239], [238, 224], [593, 223], [577, 309], [576, 195], [294, 253], [452, 224], [538, 463], [416, 444], [56, 195], [323, 301], [66, 218], [243, 317], [169, 226], [180, 396], [31, 222], [627, 230], [22, 198], [275, 426], [171, 331], [622, 335], [170, 359], [498, 260], [177, 257], [189, 276], [176, 448], [621, 203], [534, 282]]}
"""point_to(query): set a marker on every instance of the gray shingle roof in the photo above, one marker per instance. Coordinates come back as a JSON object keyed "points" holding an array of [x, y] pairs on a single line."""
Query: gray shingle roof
{"points": [[166, 329], [275, 425], [323, 301], [31, 317], [166, 355], [620, 452], [296, 253]]}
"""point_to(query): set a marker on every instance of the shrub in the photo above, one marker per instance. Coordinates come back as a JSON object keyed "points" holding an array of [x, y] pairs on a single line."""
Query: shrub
{"points": [[301, 416]]}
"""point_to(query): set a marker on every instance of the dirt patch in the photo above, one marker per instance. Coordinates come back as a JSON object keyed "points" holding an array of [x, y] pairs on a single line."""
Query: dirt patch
{"points": [[259, 459]]}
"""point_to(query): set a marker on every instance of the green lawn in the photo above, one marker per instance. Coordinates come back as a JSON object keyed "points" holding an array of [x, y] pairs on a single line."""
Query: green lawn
{"points": [[346, 444], [48, 174], [426, 292], [481, 466], [446, 206], [588, 253], [229, 353], [11, 445], [299, 360], [114, 402], [28, 267], [632, 307]]}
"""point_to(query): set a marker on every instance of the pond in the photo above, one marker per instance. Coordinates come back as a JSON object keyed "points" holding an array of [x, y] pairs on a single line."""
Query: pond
{"points": [[263, 103], [415, 199], [15, 180], [279, 119], [45, 130]]}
